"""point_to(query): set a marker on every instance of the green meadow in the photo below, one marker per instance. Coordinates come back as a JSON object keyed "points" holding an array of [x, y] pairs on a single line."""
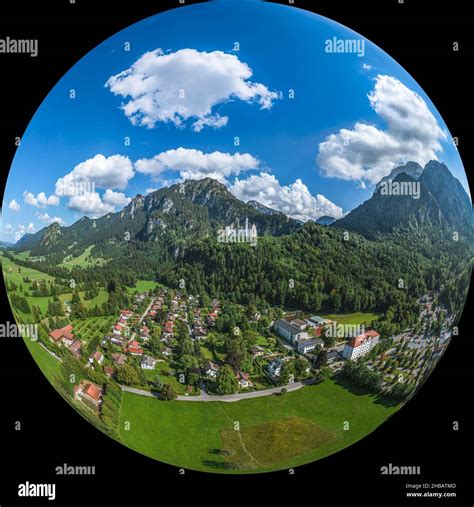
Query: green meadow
{"points": [[352, 318], [318, 420]]}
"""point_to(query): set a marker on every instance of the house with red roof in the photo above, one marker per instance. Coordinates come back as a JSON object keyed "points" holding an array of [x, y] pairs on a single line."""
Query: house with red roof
{"points": [[75, 348], [243, 379], [134, 348], [88, 393], [97, 356], [109, 370], [118, 359], [361, 344], [62, 336]]}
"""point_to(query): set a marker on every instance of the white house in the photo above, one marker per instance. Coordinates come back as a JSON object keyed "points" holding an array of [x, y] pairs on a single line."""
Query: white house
{"points": [[305, 346], [97, 356], [211, 369], [148, 363], [361, 345], [274, 367], [289, 332], [244, 379], [258, 351]]}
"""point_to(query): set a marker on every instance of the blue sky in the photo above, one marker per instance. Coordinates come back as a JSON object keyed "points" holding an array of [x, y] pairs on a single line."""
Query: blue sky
{"points": [[282, 140]]}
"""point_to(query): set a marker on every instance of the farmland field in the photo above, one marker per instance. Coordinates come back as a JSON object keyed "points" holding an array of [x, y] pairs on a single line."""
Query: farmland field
{"points": [[93, 327]]}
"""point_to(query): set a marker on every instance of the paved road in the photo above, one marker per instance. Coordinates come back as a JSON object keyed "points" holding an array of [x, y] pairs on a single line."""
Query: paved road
{"points": [[146, 311], [228, 398], [141, 392], [142, 317]]}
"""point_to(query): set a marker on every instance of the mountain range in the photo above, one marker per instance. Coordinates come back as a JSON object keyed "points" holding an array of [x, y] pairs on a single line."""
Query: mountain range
{"points": [[181, 213], [441, 203], [196, 209]]}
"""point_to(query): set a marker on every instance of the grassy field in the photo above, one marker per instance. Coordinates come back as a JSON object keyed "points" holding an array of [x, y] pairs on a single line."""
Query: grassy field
{"points": [[162, 366], [16, 273], [143, 286], [47, 363], [84, 260], [98, 300], [217, 355], [194, 434], [262, 341], [292, 436], [351, 318]]}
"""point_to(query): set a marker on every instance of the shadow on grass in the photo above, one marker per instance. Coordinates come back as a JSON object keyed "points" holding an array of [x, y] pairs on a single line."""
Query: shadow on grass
{"points": [[379, 399], [221, 465]]}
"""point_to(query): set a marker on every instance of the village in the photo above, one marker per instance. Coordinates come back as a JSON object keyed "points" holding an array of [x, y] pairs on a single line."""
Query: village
{"points": [[169, 339]]}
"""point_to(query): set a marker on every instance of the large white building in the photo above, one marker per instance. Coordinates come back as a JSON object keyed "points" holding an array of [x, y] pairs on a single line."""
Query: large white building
{"points": [[361, 344], [305, 346], [291, 331], [315, 320]]}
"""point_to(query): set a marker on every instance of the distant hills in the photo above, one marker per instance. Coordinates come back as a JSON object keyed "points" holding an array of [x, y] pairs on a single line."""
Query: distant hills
{"points": [[179, 214], [325, 220]]}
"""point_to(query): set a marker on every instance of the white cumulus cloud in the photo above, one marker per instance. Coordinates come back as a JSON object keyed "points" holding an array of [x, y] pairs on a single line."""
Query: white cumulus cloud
{"points": [[14, 206], [115, 198], [40, 200], [194, 164], [95, 205], [44, 217], [112, 172], [294, 200], [186, 85], [368, 153], [20, 230]]}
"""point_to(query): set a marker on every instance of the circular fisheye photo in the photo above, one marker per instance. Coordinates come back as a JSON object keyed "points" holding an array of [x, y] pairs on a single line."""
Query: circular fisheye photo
{"points": [[237, 237]]}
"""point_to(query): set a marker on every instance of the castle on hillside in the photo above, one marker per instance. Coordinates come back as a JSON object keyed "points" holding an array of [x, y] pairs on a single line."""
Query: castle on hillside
{"points": [[233, 234]]}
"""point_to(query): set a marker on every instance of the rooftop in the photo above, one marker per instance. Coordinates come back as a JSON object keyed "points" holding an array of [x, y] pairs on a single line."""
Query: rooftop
{"points": [[299, 322], [63, 332], [93, 390], [312, 341], [287, 326]]}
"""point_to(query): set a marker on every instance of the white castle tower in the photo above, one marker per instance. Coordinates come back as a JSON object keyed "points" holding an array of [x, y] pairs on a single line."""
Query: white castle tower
{"points": [[235, 233]]}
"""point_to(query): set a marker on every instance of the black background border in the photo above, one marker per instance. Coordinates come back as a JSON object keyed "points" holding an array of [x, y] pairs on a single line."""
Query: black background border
{"points": [[419, 35]]}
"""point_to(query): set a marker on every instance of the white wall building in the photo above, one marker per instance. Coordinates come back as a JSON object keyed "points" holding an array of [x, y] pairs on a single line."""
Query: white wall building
{"points": [[289, 332], [360, 345]]}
